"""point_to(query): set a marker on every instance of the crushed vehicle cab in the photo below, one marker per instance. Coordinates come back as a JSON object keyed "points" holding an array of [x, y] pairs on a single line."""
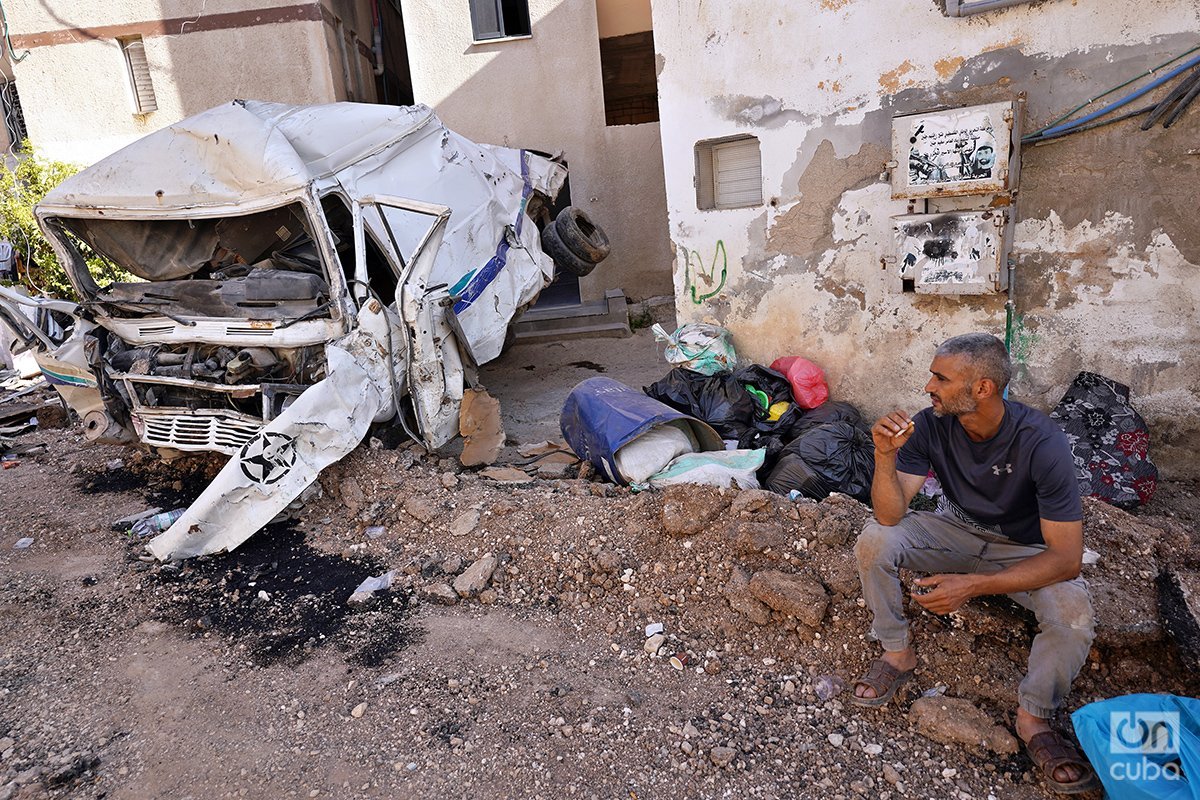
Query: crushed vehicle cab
{"points": [[283, 277]]}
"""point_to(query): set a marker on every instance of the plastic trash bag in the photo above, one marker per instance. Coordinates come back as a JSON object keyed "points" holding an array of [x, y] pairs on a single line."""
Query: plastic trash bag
{"points": [[833, 457], [601, 415], [717, 399], [736, 404], [1109, 441], [654, 450], [698, 346], [720, 469], [807, 379], [1143, 746], [830, 411]]}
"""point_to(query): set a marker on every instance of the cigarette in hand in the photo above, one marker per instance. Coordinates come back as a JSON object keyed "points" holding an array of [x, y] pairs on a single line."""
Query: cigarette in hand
{"points": [[906, 429]]}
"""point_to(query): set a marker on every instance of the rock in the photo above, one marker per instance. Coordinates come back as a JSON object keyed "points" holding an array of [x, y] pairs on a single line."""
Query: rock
{"points": [[554, 471], [487, 597], [839, 573], [439, 593], [465, 523], [836, 739], [722, 756], [795, 595], [737, 592], [842, 518], [608, 561], [891, 775], [449, 481], [688, 508], [421, 509], [352, 495], [451, 565], [475, 579], [6, 744], [509, 475], [954, 720], [358, 710], [748, 538], [653, 643], [481, 428], [758, 502], [76, 765]]}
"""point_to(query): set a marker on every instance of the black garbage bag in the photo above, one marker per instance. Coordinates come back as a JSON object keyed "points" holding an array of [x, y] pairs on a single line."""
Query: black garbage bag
{"points": [[829, 411], [722, 400], [1110, 441], [716, 399], [831, 457]]}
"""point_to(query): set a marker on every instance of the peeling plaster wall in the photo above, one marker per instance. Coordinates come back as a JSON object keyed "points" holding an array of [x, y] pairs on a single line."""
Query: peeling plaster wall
{"points": [[1107, 246], [544, 92]]}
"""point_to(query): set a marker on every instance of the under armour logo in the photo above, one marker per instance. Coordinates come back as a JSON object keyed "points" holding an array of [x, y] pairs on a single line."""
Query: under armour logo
{"points": [[997, 469]]}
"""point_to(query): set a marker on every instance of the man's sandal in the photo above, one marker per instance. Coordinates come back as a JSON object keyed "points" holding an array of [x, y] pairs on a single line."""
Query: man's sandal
{"points": [[1049, 750], [883, 679]]}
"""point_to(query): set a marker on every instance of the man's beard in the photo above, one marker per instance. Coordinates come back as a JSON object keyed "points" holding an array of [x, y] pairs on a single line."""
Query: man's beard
{"points": [[955, 406]]}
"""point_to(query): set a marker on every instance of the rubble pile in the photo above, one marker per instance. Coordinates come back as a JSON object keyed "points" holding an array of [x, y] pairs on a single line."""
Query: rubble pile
{"points": [[706, 637]]}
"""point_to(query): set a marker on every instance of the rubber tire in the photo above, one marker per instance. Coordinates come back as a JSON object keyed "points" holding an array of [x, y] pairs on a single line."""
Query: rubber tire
{"points": [[563, 258], [582, 237]]}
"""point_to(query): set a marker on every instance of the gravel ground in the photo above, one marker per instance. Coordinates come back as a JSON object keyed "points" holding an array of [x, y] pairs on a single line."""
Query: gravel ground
{"points": [[249, 675]]}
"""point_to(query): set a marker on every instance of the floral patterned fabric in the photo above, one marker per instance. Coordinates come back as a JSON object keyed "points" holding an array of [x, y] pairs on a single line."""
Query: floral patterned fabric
{"points": [[1109, 441]]}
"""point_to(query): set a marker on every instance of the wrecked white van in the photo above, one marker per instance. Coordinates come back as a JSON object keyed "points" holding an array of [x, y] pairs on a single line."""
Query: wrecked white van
{"points": [[300, 273]]}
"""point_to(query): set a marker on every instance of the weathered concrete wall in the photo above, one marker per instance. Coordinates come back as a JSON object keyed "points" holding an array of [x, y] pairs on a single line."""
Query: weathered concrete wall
{"points": [[75, 89], [1107, 246], [545, 93]]}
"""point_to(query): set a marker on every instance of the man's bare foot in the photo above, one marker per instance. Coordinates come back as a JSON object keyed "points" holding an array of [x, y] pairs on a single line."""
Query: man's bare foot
{"points": [[1029, 726], [901, 660]]}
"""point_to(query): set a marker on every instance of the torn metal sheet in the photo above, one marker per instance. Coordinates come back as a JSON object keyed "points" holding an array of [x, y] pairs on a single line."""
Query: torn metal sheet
{"points": [[271, 470]]}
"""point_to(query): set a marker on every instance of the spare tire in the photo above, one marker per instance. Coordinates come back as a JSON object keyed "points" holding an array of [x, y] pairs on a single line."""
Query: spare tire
{"points": [[562, 256], [581, 236]]}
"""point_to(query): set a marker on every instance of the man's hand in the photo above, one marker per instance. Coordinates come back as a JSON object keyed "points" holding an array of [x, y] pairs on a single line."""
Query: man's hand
{"points": [[949, 593], [891, 432]]}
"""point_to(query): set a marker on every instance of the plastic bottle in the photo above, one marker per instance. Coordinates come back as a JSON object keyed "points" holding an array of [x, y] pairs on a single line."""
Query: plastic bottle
{"points": [[157, 523]]}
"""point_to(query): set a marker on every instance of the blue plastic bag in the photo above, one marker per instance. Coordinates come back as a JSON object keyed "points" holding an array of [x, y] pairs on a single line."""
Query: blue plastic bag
{"points": [[601, 416], [1143, 746]]}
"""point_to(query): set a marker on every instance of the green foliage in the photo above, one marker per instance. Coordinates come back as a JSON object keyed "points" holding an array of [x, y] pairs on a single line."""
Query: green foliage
{"points": [[21, 189]]}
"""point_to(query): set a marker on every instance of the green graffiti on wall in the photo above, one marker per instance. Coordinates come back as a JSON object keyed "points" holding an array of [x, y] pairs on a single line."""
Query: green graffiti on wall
{"points": [[701, 281], [1023, 342]]}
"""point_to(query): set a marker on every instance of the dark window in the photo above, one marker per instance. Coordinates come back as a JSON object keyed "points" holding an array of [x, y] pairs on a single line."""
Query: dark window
{"points": [[630, 83], [495, 19], [14, 118]]}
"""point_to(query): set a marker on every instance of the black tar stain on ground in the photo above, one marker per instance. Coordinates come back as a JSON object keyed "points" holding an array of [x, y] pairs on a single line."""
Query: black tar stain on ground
{"points": [[305, 606], [592, 365]]}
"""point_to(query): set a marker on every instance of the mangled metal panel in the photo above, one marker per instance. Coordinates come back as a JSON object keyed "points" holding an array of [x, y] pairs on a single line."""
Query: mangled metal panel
{"points": [[953, 253], [958, 151]]}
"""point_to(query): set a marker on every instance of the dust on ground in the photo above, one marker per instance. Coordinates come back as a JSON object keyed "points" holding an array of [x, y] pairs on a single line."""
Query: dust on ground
{"points": [[248, 675]]}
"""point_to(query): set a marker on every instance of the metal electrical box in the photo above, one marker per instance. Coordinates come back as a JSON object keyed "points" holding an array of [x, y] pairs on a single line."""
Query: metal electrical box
{"points": [[955, 253], [956, 151]]}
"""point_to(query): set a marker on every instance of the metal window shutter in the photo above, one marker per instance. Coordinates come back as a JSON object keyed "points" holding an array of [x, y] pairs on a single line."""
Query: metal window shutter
{"points": [[139, 74], [737, 173], [485, 19]]}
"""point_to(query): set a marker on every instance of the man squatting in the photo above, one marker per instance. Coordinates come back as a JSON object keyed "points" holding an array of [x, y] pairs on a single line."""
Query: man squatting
{"points": [[1010, 522]]}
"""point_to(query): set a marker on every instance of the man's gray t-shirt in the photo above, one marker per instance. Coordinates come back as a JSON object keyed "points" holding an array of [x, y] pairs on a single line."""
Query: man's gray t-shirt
{"points": [[1005, 483]]}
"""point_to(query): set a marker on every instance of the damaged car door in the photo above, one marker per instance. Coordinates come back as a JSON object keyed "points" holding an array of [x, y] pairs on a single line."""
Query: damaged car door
{"points": [[420, 338]]}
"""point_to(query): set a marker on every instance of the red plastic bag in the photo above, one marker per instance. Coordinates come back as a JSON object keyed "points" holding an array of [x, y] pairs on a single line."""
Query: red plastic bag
{"points": [[806, 378]]}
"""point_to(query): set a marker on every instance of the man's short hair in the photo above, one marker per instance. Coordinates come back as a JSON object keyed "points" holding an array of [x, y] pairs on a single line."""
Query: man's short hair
{"points": [[985, 353]]}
